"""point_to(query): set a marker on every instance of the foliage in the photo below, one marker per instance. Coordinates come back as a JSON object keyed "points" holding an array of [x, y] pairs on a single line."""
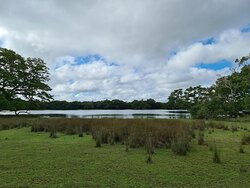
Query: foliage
{"points": [[105, 104], [21, 79], [229, 96]]}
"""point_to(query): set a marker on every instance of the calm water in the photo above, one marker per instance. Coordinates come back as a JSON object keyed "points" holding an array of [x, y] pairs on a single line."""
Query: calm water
{"points": [[163, 114]]}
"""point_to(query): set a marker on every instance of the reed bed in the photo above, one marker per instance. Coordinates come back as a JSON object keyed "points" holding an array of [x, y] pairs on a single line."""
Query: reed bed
{"points": [[130, 132]]}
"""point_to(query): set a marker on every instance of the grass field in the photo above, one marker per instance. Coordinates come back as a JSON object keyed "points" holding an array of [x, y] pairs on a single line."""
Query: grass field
{"points": [[32, 159]]}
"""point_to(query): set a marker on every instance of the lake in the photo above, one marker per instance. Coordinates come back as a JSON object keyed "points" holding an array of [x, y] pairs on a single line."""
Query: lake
{"points": [[159, 114]]}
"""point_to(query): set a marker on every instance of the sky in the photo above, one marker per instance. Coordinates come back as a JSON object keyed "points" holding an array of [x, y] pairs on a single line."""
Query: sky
{"points": [[127, 49]]}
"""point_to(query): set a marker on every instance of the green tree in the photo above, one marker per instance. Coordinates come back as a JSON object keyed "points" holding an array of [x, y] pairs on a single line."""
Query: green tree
{"points": [[226, 98], [22, 79]]}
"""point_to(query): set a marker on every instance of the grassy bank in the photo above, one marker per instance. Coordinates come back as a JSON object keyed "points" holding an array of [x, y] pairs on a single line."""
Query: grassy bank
{"points": [[33, 159]]}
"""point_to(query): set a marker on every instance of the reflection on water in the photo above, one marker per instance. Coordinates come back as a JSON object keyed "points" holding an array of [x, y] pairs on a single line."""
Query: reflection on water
{"points": [[126, 114]]}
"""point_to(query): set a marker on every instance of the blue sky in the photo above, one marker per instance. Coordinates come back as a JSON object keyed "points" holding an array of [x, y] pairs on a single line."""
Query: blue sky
{"points": [[222, 64]]}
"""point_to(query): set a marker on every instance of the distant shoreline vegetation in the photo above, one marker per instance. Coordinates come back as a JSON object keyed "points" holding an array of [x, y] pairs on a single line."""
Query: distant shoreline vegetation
{"points": [[97, 105]]}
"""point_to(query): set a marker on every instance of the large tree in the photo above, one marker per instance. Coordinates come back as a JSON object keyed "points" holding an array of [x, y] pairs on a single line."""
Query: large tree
{"points": [[22, 79]]}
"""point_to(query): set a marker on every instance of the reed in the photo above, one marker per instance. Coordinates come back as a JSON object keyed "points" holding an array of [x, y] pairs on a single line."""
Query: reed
{"points": [[131, 132]]}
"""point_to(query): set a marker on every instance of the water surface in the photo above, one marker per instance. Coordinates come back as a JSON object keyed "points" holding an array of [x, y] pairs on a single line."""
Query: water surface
{"points": [[161, 114]]}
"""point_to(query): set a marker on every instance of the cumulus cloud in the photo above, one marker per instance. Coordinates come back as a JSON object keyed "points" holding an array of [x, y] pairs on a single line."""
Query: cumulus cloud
{"points": [[229, 45], [135, 38]]}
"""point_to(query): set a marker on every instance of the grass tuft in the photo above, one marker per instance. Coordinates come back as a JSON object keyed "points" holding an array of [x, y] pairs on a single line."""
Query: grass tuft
{"points": [[216, 155]]}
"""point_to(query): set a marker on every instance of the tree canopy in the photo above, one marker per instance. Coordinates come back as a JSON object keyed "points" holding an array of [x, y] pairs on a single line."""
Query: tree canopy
{"points": [[229, 96], [22, 79]]}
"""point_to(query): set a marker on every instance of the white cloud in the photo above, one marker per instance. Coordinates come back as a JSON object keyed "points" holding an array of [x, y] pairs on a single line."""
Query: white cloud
{"points": [[229, 45], [138, 35]]}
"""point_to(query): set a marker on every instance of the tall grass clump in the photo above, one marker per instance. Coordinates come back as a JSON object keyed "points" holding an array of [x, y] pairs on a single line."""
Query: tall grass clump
{"points": [[216, 155], [201, 140], [241, 149], [150, 149], [80, 132], [245, 140], [180, 144], [234, 128], [52, 133]]}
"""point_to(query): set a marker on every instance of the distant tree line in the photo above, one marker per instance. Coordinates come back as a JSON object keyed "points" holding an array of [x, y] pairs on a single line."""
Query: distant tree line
{"points": [[229, 96], [105, 104]]}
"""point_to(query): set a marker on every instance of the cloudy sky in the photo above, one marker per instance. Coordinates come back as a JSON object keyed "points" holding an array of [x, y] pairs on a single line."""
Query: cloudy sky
{"points": [[127, 49]]}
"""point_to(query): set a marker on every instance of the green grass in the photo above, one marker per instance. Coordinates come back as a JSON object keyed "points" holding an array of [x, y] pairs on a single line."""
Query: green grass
{"points": [[29, 159]]}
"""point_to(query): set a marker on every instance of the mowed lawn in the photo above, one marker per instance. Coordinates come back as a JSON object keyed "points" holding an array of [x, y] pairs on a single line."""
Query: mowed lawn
{"points": [[29, 159]]}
